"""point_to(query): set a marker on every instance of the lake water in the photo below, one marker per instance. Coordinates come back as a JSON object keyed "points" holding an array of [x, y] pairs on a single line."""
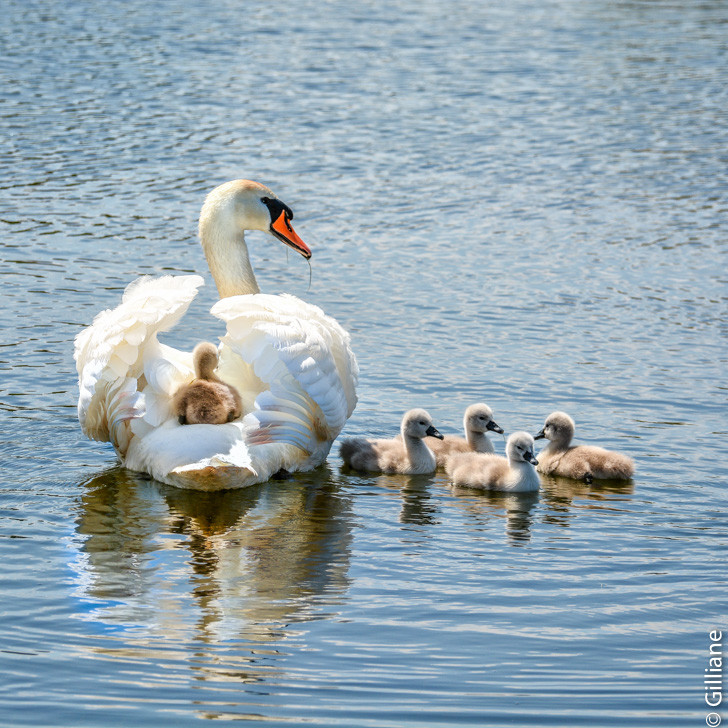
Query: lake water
{"points": [[519, 203]]}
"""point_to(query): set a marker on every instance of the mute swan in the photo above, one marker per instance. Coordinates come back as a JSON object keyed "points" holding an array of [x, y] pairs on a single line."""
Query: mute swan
{"points": [[292, 365], [581, 462], [515, 474], [478, 420], [408, 455], [207, 400]]}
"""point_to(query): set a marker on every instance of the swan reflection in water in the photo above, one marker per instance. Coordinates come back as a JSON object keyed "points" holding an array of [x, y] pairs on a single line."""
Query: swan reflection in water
{"points": [[561, 500], [419, 505], [517, 509], [237, 565], [566, 497]]}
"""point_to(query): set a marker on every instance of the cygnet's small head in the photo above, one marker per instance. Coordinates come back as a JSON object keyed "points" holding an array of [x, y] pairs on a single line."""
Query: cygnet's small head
{"points": [[418, 424], [519, 448], [559, 427], [253, 206], [479, 418]]}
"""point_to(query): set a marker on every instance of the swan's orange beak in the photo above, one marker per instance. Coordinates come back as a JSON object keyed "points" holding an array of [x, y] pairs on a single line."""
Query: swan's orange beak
{"points": [[282, 229]]}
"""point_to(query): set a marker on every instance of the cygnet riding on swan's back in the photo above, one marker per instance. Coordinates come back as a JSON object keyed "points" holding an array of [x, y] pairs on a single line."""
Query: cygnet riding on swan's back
{"points": [[207, 400], [292, 365], [478, 420], [515, 474], [408, 455], [581, 462]]}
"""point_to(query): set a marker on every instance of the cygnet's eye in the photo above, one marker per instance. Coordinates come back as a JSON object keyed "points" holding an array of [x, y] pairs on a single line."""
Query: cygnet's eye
{"points": [[422, 422]]}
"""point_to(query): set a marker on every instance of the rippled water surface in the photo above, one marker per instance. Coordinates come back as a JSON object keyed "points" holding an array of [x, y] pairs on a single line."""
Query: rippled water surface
{"points": [[519, 203]]}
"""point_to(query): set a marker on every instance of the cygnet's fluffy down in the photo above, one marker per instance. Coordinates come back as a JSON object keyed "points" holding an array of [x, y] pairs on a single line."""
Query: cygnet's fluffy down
{"points": [[478, 420], [581, 462], [408, 455], [514, 474], [207, 400]]}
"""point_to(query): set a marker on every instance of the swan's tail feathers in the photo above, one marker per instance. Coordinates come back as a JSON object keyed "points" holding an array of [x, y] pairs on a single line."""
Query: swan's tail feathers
{"points": [[208, 457], [303, 362], [111, 354]]}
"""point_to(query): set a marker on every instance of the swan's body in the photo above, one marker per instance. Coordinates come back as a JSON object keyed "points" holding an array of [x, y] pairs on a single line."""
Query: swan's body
{"points": [[292, 364], [581, 462], [407, 455], [514, 474], [478, 420], [207, 400]]}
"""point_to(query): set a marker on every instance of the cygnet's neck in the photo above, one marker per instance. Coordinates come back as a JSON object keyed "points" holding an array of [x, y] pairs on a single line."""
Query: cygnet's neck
{"points": [[478, 441], [522, 474], [422, 459], [227, 254], [208, 374], [558, 445]]}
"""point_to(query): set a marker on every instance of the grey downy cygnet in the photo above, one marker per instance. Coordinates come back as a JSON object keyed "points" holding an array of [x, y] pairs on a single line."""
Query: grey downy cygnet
{"points": [[581, 462], [408, 455]]}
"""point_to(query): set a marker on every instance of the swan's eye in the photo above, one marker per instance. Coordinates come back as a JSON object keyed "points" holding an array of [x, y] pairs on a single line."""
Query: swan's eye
{"points": [[265, 200]]}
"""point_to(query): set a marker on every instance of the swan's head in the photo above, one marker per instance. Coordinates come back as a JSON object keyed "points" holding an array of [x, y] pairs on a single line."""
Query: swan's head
{"points": [[559, 427], [417, 423], [519, 448], [479, 418], [248, 205]]}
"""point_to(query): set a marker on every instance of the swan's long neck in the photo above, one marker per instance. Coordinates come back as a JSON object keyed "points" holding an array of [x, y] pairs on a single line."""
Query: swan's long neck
{"points": [[227, 254]]}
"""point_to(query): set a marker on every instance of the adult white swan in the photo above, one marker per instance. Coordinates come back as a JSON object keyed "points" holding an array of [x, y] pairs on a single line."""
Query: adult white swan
{"points": [[292, 364]]}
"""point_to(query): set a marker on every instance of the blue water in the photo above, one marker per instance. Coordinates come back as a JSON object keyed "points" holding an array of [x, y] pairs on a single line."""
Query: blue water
{"points": [[523, 205]]}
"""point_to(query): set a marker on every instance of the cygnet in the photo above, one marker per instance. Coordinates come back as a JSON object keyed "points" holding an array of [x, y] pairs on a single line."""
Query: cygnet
{"points": [[514, 474], [478, 420], [582, 462], [408, 455], [207, 400]]}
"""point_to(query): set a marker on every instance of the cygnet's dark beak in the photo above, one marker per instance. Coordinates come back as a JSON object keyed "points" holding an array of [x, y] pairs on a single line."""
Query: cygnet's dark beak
{"points": [[493, 427], [539, 435], [432, 432], [531, 459]]}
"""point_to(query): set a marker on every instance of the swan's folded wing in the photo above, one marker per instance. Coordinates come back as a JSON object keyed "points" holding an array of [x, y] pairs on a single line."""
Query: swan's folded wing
{"points": [[303, 362], [110, 354]]}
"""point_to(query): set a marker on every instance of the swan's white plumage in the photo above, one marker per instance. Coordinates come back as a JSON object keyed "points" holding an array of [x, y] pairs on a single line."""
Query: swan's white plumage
{"points": [[303, 360], [292, 365], [119, 353], [291, 361]]}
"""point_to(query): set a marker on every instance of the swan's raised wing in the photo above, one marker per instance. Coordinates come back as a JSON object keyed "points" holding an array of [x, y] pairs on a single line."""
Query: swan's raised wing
{"points": [[301, 362], [119, 353]]}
